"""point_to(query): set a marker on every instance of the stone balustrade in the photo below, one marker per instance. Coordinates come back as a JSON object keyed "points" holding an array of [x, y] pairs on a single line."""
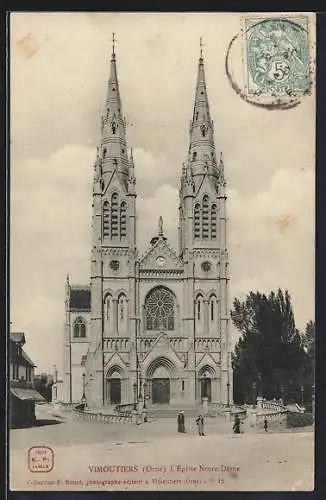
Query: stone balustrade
{"points": [[103, 418], [271, 416]]}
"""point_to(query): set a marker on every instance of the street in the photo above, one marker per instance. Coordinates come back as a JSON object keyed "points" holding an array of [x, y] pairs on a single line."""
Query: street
{"points": [[154, 456]]}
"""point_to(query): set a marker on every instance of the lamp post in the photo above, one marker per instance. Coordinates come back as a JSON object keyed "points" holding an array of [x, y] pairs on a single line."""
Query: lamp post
{"points": [[313, 402], [254, 387], [55, 382], [84, 396], [145, 395], [282, 392], [301, 389], [135, 395], [140, 397], [228, 389]]}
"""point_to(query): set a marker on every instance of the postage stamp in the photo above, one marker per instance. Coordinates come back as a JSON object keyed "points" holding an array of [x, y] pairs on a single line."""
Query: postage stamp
{"points": [[276, 55]]}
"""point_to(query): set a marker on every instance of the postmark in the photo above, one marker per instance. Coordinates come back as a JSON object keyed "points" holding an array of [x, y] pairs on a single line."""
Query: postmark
{"points": [[40, 459], [270, 62]]}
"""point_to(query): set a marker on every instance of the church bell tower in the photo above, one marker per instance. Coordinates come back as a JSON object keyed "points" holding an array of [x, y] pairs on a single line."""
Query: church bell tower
{"points": [[203, 246]]}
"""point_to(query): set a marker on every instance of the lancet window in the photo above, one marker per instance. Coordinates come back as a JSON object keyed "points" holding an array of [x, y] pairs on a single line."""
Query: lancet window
{"points": [[214, 222], [205, 218], [114, 215], [106, 219], [123, 220], [197, 220], [79, 328]]}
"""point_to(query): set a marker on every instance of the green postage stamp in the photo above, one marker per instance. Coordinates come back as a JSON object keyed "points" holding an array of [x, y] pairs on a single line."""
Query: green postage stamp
{"points": [[276, 55]]}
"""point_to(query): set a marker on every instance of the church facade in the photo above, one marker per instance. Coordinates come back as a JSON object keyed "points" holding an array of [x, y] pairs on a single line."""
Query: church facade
{"points": [[156, 325]]}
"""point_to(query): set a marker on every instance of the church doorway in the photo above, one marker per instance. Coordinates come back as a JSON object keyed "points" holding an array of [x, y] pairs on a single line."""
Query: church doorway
{"points": [[113, 384], [115, 391], [161, 390], [159, 377], [205, 376], [206, 388]]}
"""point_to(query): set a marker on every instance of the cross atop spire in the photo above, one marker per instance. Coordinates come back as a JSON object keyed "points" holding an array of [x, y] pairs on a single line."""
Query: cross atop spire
{"points": [[113, 45], [201, 47], [160, 226]]}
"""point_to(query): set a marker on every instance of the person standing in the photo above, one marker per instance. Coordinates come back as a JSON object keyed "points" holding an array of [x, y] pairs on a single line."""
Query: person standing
{"points": [[266, 425], [236, 425], [200, 423], [181, 422]]}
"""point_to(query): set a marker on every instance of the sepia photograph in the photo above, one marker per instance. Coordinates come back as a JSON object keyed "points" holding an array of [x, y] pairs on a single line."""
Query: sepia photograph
{"points": [[162, 251]]}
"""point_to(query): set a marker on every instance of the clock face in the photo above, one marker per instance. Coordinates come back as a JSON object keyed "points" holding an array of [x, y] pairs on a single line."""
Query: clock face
{"points": [[160, 261], [206, 266]]}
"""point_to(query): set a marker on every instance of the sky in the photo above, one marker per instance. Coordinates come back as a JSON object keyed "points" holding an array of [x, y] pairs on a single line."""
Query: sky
{"points": [[59, 67]]}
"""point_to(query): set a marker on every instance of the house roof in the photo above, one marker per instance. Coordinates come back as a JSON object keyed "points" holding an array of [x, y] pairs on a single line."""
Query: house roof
{"points": [[27, 359], [80, 298], [18, 337]]}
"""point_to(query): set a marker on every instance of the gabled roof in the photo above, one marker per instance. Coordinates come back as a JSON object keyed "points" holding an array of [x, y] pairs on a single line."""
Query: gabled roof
{"points": [[18, 337], [80, 298], [27, 359], [161, 248]]}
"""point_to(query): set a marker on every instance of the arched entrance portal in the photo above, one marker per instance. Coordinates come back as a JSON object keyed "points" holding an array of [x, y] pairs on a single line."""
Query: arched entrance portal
{"points": [[205, 376], [113, 386], [160, 386], [159, 376]]}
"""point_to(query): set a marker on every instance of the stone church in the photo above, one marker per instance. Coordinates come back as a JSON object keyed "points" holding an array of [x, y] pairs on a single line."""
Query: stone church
{"points": [[152, 326]]}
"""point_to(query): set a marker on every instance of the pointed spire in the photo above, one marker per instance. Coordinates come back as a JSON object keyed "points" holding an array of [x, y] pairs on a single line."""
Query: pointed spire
{"points": [[202, 148], [113, 150]]}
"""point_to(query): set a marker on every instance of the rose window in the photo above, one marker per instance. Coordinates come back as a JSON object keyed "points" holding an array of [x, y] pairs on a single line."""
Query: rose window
{"points": [[160, 309]]}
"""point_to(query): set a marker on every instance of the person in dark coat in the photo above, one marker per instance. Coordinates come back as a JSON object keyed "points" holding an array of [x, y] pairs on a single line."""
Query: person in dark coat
{"points": [[181, 421], [266, 425], [200, 423], [236, 425]]}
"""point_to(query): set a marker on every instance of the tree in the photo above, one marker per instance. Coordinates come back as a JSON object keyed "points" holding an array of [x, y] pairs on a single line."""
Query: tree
{"points": [[269, 357], [308, 339], [43, 384]]}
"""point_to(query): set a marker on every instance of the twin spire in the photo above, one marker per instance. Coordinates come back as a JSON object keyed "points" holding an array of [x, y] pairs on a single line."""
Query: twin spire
{"points": [[113, 149]]}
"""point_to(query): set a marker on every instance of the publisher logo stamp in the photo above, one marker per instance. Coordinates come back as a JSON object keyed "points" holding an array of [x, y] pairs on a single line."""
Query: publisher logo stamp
{"points": [[40, 459]]}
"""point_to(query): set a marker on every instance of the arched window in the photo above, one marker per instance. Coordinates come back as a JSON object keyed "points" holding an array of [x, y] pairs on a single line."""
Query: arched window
{"points": [[213, 222], [114, 215], [108, 311], [123, 220], [79, 328], [160, 309], [194, 156], [199, 313], [104, 153], [106, 219], [203, 129], [213, 315], [122, 313], [205, 219], [197, 220], [113, 127], [198, 309]]}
